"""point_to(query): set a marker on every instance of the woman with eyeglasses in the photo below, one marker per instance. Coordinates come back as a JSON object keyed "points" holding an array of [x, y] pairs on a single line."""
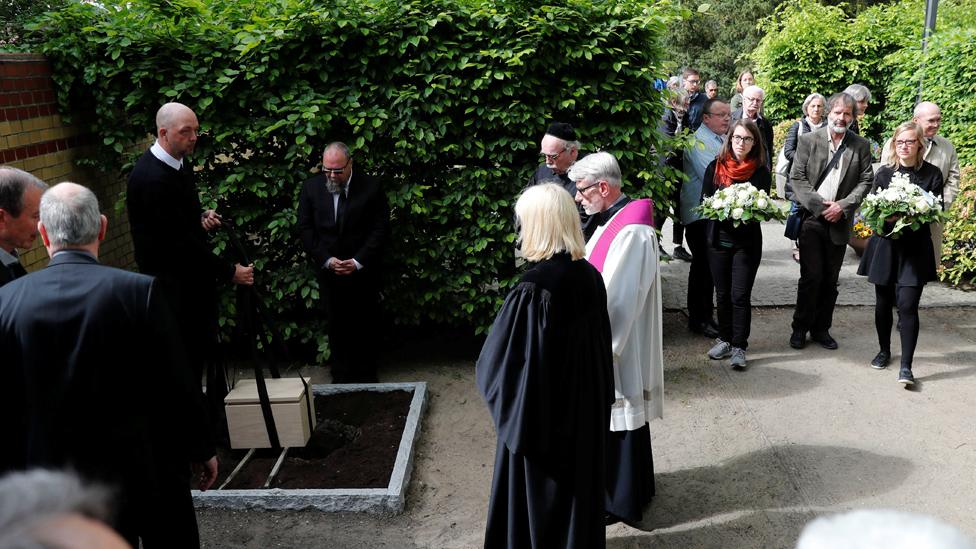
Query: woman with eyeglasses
{"points": [[900, 268], [734, 253]]}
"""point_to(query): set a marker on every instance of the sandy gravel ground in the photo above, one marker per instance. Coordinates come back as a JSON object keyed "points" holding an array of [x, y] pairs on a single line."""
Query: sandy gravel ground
{"points": [[742, 459]]}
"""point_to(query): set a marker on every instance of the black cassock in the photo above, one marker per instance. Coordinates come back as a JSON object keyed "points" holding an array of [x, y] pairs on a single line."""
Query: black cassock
{"points": [[546, 373]]}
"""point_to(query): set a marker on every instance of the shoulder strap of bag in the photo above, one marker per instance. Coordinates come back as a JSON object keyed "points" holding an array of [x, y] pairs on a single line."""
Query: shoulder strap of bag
{"points": [[831, 164]]}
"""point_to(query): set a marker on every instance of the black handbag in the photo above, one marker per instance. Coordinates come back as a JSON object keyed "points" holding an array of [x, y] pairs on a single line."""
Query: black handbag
{"points": [[794, 221], [798, 213]]}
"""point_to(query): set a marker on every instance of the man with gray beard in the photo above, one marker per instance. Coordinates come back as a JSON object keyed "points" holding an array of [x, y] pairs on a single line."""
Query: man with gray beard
{"points": [[344, 223], [831, 174]]}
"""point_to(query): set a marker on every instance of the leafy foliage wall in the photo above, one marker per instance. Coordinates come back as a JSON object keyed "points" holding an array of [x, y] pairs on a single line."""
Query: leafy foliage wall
{"points": [[445, 100]]}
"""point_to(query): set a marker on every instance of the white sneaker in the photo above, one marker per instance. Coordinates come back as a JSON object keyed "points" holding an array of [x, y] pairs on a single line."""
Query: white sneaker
{"points": [[738, 361], [721, 349]]}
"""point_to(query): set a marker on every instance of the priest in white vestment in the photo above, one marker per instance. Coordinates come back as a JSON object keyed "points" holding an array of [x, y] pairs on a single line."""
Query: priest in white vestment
{"points": [[624, 249]]}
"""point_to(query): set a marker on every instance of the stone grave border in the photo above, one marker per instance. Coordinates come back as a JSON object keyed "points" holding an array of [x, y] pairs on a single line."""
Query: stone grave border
{"points": [[365, 500]]}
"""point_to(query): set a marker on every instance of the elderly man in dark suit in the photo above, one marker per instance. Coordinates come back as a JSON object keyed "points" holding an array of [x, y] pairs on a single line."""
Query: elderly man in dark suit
{"points": [[95, 381], [831, 174], [344, 222], [752, 102], [20, 198]]}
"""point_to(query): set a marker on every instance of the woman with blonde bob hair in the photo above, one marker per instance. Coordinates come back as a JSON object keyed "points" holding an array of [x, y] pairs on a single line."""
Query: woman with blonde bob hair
{"points": [[548, 224], [899, 268], [546, 374]]}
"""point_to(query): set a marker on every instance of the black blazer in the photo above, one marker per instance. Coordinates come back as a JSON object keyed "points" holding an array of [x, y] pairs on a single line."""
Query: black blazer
{"points": [[365, 228], [7, 274], [765, 131], [94, 378]]}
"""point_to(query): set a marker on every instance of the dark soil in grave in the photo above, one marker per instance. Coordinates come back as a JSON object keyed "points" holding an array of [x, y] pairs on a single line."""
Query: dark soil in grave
{"points": [[354, 445]]}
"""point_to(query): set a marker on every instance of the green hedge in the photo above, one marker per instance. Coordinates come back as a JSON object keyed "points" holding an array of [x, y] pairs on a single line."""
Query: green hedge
{"points": [[445, 100], [810, 47]]}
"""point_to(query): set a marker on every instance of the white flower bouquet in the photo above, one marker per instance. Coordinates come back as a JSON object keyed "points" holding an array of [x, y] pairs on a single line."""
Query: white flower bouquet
{"points": [[903, 203], [740, 203]]}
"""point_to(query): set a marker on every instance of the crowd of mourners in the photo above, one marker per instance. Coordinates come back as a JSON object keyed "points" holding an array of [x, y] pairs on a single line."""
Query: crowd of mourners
{"points": [[571, 371]]}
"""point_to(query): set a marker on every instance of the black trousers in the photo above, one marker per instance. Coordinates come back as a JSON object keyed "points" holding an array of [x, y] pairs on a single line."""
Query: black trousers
{"points": [[734, 272], [816, 292], [352, 304], [630, 473], [906, 299], [700, 285], [159, 511]]}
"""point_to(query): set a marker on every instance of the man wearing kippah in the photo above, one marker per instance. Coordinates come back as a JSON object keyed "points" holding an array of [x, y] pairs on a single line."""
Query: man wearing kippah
{"points": [[559, 150]]}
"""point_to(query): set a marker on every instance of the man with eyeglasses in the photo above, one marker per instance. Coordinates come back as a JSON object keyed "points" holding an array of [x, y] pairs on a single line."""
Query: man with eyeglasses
{"points": [[169, 233], [559, 150], [939, 152], [691, 80], [344, 223], [711, 89], [752, 102], [624, 249], [830, 176], [701, 289]]}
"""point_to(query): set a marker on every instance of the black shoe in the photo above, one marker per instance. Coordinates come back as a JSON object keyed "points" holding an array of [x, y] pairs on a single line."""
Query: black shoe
{"points": [[824, 340], [881, 359], [905, 377], [680, 253], [798, 340], [708, 329]]}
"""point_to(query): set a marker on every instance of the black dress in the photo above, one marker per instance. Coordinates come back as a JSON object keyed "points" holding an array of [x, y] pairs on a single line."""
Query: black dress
{"points": [[909, 259], [546, 374]]}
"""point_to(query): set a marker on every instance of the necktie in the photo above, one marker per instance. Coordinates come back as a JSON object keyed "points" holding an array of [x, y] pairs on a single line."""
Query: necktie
{"points": [[341, 210]]}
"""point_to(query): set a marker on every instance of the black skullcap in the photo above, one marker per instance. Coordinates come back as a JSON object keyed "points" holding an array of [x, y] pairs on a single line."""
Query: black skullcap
{"points": [[562, 130]]}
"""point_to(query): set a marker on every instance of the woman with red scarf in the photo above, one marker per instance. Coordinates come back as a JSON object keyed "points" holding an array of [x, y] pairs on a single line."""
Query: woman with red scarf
{"points": [[734, 253]]}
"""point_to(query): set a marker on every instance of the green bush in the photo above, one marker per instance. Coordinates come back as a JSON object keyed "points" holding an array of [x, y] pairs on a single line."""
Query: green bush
{"points": [[445, 100], [948, 75], [959, 238], [811, 47]]}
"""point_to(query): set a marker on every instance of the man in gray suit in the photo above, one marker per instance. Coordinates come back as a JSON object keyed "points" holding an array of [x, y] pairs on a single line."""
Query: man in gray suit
{"points": [[831, 174]]}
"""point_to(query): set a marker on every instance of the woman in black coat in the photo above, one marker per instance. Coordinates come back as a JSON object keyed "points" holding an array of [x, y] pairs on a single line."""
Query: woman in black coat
{"points": [[900, 268], [734, 253]]}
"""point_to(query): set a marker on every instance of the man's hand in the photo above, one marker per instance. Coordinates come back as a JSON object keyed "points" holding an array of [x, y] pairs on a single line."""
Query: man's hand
{"points": [[205, 473], [343, 266], [833, 212], [210, 220], [243, 275]]}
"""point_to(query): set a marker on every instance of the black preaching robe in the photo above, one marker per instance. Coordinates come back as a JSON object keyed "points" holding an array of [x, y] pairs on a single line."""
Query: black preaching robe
{"points": [[546, 373]]}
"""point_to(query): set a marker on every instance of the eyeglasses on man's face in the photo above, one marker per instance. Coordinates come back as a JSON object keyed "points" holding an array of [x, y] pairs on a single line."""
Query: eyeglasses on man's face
{"points": [[742, 139], [753, 99], [336, 171], [553, 156], [582, 190]]}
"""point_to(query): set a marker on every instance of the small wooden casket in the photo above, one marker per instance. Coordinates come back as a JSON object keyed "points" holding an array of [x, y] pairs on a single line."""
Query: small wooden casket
{"points": [[289, 406]]}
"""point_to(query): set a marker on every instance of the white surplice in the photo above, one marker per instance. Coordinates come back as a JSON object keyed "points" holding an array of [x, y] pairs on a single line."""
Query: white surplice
{"points": [[633, 279]]}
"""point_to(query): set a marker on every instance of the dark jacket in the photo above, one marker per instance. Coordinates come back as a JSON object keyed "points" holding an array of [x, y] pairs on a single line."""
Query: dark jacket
{"points": [[7, 274], [746, 233], [365, 226], [789, 147]]}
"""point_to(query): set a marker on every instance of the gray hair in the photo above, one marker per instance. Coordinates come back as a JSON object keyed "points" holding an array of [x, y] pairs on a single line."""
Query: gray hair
{"points": [[596, 166], [70, 215], [338, 146], [167, 114], [13, 184], [711, 82], [30, 498], [858, 92], [810, 99], [845, 98], [754, 88]]}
